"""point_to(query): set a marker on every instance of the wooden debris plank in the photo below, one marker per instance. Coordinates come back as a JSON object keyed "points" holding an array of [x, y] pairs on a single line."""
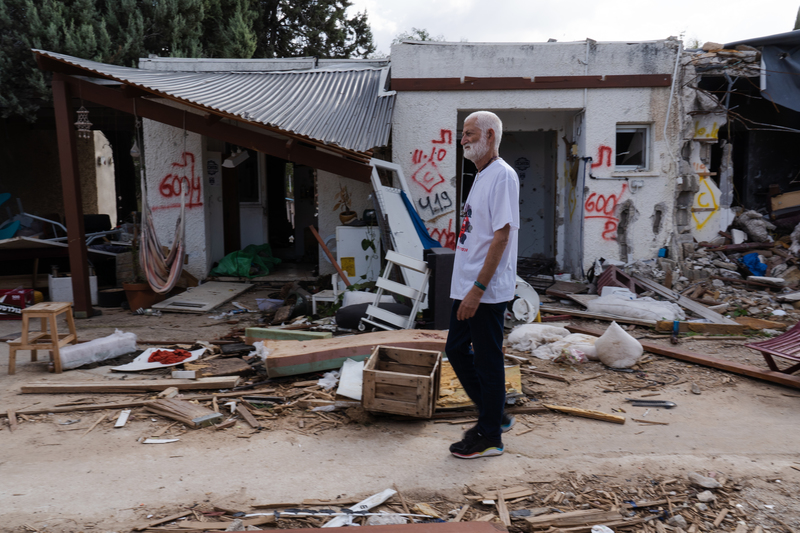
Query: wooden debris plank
{"points": [[289, 358], [170, 392], [228, 366], [683, 301], [598, 316], [643, 421], [720, 517], [574, 518], [705, 360], [123, 418], [203, 299], [701, 327], [186, 412], [546, 375], [79, 407], [248, 416], [461, 512], [125, 386], [587, 413], [253, 334], [163, 520], [502, 509], [759, 323], [100, 419], [12, 420], [222, 526], [509, 493]]}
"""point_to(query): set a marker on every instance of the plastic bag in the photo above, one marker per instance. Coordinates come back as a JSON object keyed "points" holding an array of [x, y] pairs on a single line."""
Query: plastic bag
{"points": [[553, 350], [642, 308], [352, 379], [116, 344], [617, 349], [329, 380], [531, 336], [248, 263]]}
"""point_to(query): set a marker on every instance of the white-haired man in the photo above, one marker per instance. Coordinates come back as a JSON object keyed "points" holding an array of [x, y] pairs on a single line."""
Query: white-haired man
{"points": [[484, 281]]}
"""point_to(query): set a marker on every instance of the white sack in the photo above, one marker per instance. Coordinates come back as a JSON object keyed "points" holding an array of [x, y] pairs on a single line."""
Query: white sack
{"points": [[617, 349], [530, 336], [589, 350], [351, 379], [552, 350], [641, 308], [116, 344]]}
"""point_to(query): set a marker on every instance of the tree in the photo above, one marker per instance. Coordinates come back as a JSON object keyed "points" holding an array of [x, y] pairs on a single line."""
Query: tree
{"points": [[122, 31], [319, 28], [417, 34]]}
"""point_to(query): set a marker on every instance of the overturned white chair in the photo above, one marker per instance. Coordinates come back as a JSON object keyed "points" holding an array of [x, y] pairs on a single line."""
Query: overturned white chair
{"points": [[381, 318]]}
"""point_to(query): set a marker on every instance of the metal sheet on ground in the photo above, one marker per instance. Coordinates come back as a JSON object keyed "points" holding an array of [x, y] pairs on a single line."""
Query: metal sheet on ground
{"points": [[204, 298]]}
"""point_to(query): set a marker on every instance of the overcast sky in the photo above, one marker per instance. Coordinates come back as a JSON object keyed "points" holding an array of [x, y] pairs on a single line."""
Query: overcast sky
{"points": [[575, 20]]}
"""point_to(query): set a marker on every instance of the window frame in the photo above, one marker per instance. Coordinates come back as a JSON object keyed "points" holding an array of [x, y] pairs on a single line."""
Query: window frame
{"points": [[633, 128]]}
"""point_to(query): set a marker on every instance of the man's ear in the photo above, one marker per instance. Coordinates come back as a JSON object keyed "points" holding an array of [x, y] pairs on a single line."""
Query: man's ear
{"points": [[490, 136]]}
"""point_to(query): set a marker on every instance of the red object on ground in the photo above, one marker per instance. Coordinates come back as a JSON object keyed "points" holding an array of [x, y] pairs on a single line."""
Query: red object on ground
{"points": [[168, 357]]}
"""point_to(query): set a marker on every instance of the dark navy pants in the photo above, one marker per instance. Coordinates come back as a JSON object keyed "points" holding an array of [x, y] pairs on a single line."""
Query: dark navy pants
{"points": [[480, 369]]}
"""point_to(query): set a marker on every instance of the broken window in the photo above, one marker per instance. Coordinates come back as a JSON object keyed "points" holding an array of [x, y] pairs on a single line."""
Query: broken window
{"points": [[632, 142]]}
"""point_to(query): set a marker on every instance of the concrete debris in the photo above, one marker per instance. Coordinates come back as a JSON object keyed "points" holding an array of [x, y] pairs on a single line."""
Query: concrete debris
{"points": [[706, 496], [703, 481], [677, 521]]}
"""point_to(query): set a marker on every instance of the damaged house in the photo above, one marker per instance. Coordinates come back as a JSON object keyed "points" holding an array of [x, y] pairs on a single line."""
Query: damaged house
{"points": [[625, 151]]}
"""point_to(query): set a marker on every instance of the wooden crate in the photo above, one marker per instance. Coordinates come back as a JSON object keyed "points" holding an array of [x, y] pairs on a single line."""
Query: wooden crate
{"points": [[402, 381]]}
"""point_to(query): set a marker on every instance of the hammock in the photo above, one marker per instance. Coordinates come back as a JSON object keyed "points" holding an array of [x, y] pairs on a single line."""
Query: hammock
{"points": [[162, 273]]}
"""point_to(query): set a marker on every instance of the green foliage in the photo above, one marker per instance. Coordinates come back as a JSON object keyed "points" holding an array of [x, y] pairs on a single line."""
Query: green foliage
{"points": [[416, 34], [122, 31]]}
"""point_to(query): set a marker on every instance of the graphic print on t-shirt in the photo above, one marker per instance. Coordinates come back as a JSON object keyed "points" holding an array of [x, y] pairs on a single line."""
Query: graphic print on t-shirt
{"points": [[466, 227]]}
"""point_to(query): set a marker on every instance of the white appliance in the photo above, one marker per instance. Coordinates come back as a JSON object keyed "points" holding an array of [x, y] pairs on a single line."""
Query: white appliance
{"points": [[355, 260]]}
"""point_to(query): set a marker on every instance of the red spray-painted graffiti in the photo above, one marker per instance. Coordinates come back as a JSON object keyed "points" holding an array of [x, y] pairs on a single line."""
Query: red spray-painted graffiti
{"points": [[182, 176], [446, 237], [603, 151], [428, 175], [602, 207]]}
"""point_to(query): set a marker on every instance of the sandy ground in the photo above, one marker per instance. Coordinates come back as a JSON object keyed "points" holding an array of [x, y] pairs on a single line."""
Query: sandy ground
{"points": [[54, 477]]}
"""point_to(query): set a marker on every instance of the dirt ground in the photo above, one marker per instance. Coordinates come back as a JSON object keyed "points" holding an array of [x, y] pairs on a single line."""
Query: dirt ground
{"points": [[57, 477]]}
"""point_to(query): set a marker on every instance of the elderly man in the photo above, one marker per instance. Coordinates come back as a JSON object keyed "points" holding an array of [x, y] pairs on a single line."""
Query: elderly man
{"points": [[484, 281]]}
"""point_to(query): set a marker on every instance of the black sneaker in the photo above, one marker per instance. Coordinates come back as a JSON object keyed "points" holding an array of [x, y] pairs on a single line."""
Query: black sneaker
{"points": [[476, 446], [505, 425]]}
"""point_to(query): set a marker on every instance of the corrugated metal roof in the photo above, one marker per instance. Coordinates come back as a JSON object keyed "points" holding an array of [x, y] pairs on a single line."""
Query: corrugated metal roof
{"points": [[347, 107]]}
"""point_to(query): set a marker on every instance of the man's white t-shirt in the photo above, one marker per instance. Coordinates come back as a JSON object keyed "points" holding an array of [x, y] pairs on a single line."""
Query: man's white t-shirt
{"points": [[492, 203]]}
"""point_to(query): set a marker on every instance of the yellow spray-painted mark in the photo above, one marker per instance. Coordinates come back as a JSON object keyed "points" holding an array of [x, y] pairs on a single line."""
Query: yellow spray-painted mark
{"points": [[703, 211], [703, 133]]}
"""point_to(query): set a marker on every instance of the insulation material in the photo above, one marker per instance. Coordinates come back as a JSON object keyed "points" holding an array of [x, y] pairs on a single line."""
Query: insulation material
{"points": [[641, 308], [756, 226], [552, 350], [116, 344], [528, 337], [617, 349]]}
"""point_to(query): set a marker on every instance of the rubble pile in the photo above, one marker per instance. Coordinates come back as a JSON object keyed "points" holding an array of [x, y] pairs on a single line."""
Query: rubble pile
{"points": [[743, 61]]}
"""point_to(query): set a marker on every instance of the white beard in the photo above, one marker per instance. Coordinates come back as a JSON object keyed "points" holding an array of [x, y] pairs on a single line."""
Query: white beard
{"points": [[477, 150]]}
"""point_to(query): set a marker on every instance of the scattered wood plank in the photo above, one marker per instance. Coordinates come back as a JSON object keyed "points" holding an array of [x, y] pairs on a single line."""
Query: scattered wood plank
{"points": [[701, 327], [102, 417], [573, 518], [502, 510], [170, 392], [123, 418], [188, 525], [248, 416], [228, 366], [284, 334], [12, 420], [510, 493], [163, 520], [588, 413], [546, 375], [705, 360], [596, 316], [186, 412], [79, 407], [204, 298], [461, 512], [760, 323], [126, 386], [720, 517], [643, 421], [683, 301], [288, 358]]}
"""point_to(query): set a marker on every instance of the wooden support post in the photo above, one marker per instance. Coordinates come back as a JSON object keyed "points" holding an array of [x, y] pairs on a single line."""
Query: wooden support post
{"points": [[73, 200], [330, 256]]}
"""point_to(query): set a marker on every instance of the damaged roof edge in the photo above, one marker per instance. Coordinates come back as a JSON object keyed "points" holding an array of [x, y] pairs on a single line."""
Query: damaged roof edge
{"points": [[789, 37]]}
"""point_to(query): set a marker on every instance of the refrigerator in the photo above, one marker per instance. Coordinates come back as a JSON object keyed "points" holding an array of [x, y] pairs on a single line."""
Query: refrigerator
{"points": [[358, 252]]}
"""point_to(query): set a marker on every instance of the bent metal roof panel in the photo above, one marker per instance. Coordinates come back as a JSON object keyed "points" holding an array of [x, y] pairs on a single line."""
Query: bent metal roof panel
{"points": [[347, 106]]}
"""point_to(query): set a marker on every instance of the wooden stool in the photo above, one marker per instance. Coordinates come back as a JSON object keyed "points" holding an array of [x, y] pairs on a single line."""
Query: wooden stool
{"points": [[43, 339]]}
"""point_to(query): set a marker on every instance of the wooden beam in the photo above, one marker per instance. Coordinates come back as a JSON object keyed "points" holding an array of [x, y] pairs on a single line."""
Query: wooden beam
{"points": [[705, 360], [130, 385], [672, 296], [300, 153], [73, 200], [537, 82]]}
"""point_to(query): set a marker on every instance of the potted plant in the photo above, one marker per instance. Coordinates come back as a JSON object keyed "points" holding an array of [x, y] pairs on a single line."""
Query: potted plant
{"points": [[343, 200]]}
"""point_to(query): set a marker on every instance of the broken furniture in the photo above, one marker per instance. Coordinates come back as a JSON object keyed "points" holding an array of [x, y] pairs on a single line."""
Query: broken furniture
{"points": [[402, 381], [327, 295], [785, 346], [378, 317], [47, 338]]}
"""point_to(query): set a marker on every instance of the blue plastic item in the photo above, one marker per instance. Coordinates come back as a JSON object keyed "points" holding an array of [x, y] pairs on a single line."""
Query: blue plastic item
{"points": [[8, 230], [754, 264]]}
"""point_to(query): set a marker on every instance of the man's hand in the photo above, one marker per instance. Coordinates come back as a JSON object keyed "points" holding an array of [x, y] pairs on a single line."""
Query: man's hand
{"points": [[469, 305]]}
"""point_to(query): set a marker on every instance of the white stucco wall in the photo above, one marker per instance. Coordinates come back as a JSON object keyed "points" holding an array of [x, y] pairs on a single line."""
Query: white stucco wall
{"points": [[327, 187], [426, 124], [170, 163]]}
